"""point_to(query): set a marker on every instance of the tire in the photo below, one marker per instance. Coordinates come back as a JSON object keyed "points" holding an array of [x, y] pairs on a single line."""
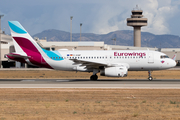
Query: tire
{"points": [[94, 77], [91, 78], [150, 78]]}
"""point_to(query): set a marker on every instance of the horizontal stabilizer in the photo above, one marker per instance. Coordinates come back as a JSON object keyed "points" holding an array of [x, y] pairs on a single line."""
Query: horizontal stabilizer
{"points": [[15, 55]]}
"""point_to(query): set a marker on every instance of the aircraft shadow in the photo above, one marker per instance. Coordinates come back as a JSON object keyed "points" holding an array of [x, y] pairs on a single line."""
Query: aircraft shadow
{"points": [[94, 81], [11, 80], [124, 80]]}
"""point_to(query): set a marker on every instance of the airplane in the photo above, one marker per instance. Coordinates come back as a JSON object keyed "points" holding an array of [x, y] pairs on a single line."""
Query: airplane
{"points": [[112, 63]]}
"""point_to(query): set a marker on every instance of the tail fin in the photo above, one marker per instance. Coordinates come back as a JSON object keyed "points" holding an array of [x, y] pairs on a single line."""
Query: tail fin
{"points": [[23, 42], [174, 57], [25, 45]]}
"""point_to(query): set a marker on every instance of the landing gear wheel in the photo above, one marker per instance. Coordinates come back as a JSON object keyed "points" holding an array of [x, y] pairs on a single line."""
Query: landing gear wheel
{"points": [[91, 78], [150, 78], [94, 77]]}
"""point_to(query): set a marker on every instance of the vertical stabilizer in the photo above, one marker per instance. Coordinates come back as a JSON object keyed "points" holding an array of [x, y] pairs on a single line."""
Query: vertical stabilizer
{"points": [[23, 42], [25, 45], [174, 57]]}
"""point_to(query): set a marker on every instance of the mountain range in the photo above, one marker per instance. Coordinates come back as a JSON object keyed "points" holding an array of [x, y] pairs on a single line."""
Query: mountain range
{"points": [[123, 37]]}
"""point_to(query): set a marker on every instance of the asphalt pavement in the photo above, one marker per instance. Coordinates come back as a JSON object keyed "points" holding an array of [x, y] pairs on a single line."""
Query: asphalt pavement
{"points": [[86, 83]]}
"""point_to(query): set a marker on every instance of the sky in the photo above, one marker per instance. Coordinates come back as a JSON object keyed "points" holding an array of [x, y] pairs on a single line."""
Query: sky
{"points": [[96, 16]]}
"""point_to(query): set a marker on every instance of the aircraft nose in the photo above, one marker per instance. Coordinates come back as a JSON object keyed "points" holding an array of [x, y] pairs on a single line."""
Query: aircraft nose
{"points": [[173, 63]]}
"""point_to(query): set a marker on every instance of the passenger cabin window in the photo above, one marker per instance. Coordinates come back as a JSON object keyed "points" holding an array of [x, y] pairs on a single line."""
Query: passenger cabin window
{"points": [[164, 56]]}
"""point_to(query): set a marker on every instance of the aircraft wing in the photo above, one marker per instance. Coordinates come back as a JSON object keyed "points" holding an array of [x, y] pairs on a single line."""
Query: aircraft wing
{"points": [[95, 64], [89, 64]]}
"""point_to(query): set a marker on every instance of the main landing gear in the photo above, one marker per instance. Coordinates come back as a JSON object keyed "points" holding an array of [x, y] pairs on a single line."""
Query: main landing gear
{"points": [[150, 77], [94, 76]]}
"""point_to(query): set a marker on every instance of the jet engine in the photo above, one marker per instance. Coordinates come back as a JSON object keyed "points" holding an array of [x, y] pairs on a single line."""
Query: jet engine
{"points": [[114, 71]]}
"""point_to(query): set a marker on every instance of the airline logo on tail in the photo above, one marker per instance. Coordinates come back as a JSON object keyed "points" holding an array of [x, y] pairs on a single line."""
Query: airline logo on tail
{"points": [[174, 57], [16, 27], [25, 45]]}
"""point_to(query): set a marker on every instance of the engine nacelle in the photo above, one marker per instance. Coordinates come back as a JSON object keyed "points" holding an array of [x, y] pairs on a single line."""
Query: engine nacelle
{"points": [[114, 71]]}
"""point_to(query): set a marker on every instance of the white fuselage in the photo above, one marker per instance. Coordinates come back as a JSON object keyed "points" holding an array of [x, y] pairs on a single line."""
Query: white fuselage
{"points": [[137, 60]]}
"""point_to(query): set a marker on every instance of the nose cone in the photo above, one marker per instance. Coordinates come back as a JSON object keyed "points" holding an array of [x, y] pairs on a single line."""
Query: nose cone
{"points": [[173, 63]]}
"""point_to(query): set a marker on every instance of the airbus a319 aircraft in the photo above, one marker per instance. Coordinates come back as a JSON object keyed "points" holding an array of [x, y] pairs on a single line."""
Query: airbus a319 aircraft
{"points": [[113, 63]]}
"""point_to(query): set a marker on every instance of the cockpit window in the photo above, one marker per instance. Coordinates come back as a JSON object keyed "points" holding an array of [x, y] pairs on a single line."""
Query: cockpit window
{"points": [[164, 56]]}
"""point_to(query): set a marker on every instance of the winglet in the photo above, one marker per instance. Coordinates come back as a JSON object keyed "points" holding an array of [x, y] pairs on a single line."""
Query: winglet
{"points": [[174, 57]]}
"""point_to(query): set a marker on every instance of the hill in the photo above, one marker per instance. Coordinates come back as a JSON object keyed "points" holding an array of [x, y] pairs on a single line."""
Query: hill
{"points": [[123, 37]]}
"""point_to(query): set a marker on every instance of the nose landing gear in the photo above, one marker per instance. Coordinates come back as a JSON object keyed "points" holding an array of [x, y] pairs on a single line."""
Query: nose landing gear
{"points": [[150, 77]]}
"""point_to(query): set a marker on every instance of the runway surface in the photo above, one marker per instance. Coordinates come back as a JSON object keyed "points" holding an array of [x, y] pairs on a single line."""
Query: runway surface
{"points": [[86, 83]]}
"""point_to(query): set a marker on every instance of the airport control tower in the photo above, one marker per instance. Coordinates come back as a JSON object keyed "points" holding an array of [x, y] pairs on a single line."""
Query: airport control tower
{"points": [[137, 22]]}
